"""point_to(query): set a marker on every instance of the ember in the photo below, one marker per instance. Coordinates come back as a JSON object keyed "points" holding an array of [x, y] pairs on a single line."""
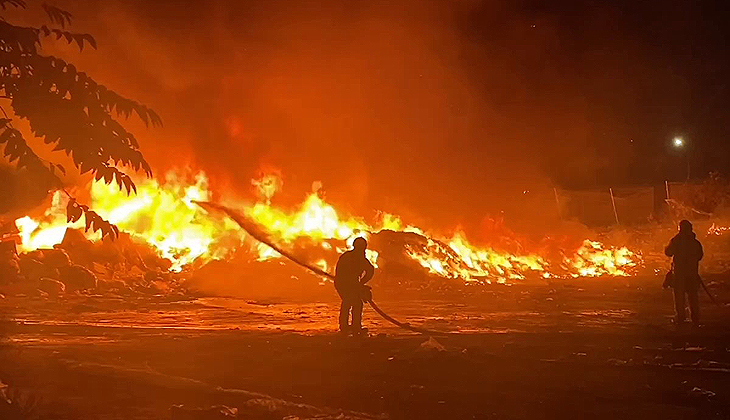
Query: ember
{"points": [[717, 230]]}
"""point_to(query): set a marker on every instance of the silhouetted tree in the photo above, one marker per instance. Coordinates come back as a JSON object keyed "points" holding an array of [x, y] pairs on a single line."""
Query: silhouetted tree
{"points": [[66, 108]]}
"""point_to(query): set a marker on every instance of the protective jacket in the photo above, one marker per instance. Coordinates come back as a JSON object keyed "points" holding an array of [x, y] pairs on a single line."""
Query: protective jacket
{"points": [[686, 252], [352, 270]]}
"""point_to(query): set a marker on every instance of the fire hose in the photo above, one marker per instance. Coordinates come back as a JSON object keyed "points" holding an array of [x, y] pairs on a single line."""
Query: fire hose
{"points": [[256, 233]]}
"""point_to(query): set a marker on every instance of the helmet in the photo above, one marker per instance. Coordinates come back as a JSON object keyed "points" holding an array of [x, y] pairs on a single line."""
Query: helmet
{"points": [[360, 243], [685, 225]]}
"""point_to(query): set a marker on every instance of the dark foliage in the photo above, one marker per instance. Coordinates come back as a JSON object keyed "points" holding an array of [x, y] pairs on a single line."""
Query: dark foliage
{"points": [[67, 109], [712, 195]]}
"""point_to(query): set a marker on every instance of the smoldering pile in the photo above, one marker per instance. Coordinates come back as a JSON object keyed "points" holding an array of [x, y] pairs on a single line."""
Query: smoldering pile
{"points": [[122, 267]]}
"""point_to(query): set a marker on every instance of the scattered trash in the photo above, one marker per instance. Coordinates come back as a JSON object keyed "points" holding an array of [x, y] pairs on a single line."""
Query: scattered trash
{"points": [[703, 393], [432, 344]]}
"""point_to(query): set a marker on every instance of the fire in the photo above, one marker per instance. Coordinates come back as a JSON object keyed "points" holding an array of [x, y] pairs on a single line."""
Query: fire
{"points": [[457, 258], [164, 215], [161, 214], [33, 238], [717, 230], [46, 233], [592, 259], [314, 220]]}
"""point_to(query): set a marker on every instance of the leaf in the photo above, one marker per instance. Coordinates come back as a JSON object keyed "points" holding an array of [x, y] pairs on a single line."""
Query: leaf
{"points": [[89, 217], [5, 136], [90, 39], [14, 3], [127, 184], [57, 15], [73, 212], [85, 167]]}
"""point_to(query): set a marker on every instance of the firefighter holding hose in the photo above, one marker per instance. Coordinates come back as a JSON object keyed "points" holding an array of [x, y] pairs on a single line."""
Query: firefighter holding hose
{"points": [[353, 270]]}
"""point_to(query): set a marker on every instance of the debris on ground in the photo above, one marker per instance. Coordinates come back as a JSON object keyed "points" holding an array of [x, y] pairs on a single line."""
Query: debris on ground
{"points": [[698, 392], [432, 344]]}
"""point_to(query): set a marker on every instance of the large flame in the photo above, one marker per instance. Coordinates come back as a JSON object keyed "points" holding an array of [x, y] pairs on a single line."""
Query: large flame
{"points": [[163, 214], [457, 258], [160, 213]]}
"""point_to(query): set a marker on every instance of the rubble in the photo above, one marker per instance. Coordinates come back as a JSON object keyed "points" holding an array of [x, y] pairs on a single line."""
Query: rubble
{"points": [[34, 270], [78, 265], [52, 287], [55, 258], [76, 277]]}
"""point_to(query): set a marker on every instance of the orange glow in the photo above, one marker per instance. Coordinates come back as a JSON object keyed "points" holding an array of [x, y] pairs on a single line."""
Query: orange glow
{"points": [[457, 258], [36, 234], [592, 259], [717, 230], [163, 215]]}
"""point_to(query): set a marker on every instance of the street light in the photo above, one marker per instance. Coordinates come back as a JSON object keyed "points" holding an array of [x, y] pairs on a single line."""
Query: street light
{"points": [[679, 144]]}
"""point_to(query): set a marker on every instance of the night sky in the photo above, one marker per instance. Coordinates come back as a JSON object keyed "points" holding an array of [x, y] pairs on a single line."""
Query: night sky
{"points": [[433, 109]]}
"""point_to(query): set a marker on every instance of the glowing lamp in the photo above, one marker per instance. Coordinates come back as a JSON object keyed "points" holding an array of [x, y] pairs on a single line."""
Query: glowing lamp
{"points": [[678, 142]]}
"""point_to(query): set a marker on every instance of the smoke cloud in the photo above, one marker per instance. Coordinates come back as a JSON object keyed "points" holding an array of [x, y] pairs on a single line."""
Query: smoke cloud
{"points": [[443, 112]]}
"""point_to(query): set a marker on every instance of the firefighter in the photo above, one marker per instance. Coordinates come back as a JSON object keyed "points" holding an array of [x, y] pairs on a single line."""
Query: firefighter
{"points": [[686, 252], [353, 270]]}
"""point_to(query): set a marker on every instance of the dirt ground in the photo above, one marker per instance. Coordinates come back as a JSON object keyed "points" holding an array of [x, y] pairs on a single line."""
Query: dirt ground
{"points": [[584, 348]]}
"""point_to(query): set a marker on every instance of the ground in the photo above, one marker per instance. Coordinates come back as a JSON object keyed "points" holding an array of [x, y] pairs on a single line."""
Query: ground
{"points": [[598, 348]]}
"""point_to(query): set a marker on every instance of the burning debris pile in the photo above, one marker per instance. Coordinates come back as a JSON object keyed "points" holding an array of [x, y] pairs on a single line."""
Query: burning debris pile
{"points": [[122, 267], [166, 236]]}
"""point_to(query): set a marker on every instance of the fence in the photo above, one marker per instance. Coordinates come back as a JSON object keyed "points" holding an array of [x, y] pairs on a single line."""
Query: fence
{"points": [[607, 207]]}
